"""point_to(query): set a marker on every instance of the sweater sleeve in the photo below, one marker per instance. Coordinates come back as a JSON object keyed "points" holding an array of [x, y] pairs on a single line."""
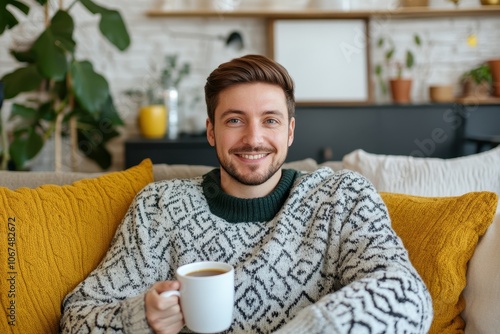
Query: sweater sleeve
{"points": [[111, 298], [379, 291]]}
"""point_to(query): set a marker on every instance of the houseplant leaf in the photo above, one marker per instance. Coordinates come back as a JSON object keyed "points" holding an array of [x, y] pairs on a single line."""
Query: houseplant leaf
{"points": [[111, 24], [51, 46], [50, 58], [62, 26], [7, 19], [93, 135], [114, 29], [109, 115], [90, 88], [410, 59], [23, 79], [25, 146], [24, 56]]}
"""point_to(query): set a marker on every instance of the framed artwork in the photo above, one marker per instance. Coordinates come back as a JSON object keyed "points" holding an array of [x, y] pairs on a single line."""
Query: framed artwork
{"points": [[328, 59]]}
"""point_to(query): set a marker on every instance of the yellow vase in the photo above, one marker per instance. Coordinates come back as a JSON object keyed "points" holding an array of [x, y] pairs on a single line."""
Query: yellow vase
{"points": [[153, 121]]}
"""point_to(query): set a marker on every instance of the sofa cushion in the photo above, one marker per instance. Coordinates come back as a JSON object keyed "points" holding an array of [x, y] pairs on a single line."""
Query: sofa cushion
{"points": [[56, 235], [428, 176], [440, 234]]}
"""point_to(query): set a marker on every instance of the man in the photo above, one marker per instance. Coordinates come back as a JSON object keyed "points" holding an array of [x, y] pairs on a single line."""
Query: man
{"points": [[313, 253]]}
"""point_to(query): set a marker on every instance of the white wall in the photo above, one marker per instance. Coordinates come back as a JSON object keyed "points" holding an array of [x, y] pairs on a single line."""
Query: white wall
{"points": [[446, 54]]}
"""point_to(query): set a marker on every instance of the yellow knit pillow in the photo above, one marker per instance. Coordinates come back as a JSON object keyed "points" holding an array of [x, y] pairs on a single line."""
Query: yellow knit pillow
{"points": [[440, 234], [52, 237]]}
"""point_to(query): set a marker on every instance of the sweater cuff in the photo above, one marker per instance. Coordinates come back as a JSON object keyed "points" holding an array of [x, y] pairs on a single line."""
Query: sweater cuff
{"points": [[134, 316]]}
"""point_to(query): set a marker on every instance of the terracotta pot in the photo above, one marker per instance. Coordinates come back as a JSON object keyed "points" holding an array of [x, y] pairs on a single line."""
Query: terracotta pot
{"points": [[495, 72], [401, 90], [441, 93]]}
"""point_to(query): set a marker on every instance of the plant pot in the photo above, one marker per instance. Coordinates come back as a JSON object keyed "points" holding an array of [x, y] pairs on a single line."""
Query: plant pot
{"points": [[153, 121], [441, 93], [495, 73], [472, 89], [414, 3], [401, 90]]}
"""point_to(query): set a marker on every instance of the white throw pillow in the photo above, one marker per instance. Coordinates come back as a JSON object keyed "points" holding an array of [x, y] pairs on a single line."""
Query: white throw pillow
{"points": [[449, 177], [428, 176]]}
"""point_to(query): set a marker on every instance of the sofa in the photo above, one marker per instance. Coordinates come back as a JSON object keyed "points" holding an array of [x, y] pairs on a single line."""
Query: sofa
{"points": [[56, 228]]}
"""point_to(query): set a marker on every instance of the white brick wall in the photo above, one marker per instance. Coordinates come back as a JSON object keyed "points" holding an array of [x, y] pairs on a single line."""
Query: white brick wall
{"points": [[445, 56]]}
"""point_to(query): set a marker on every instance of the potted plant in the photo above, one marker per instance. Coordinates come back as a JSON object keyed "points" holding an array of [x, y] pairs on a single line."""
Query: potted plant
{"points": [[400, 86], [64, 95], [156, 101], [495, 75], [477, 81]]}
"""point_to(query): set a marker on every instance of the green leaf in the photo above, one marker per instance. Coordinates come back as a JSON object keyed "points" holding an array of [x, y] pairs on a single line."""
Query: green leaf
{"points": [[18, 110], [24, 56], [380, 42], [378, 69], [62, 26], [20, 5], [7, 19], [417, 39], [90, 88], [99, 154], [109, 115], [21, 80], [389, 54], [410, 60], [112, 26], [52, 45], [25, 147], [51, 58]]}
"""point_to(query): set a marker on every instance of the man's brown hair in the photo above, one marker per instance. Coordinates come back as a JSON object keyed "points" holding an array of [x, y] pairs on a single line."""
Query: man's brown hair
{"points": [[248, 69]]}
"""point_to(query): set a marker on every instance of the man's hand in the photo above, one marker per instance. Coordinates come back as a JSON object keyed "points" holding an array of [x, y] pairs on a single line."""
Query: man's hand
{"points": [[164, 315]]}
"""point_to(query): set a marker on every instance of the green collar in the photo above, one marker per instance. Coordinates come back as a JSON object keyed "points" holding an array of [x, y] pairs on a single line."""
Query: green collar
{"points": [[234, 209]]}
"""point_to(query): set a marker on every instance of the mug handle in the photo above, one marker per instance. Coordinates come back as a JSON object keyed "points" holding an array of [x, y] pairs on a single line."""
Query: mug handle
{"points": [[167, 294]]}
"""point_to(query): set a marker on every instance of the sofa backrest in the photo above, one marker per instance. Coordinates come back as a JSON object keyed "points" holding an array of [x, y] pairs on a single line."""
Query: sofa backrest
{"points": [[14, 180]]}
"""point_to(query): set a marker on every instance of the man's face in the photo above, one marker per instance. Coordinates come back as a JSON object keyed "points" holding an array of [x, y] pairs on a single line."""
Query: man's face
{"points": [[251, 132]]}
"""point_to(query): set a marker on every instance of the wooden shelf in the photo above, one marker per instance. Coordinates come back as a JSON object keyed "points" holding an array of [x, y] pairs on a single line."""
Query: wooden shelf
{"points": [[319, 13], [473, 100]]}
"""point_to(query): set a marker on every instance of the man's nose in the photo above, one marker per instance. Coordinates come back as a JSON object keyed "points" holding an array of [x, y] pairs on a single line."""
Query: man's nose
{"points": [[253, 135]]}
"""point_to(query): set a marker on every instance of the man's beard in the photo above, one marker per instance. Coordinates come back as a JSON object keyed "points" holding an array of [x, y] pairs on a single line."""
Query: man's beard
{"points": [[253, 179]]}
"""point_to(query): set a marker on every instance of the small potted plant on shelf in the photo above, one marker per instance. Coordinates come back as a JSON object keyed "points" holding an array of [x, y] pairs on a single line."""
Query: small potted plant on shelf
{"points": [[477, 82], [400, 85]]}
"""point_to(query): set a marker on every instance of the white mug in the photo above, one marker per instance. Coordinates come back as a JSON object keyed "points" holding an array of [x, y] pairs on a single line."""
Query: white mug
{"points": [[207, 301]]}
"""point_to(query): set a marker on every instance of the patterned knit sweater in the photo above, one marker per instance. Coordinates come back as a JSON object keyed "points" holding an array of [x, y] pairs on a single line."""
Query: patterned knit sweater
{"points": [[317, 255]]}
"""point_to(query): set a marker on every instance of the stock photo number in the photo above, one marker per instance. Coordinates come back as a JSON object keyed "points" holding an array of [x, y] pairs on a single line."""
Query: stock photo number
{"points": [[11, 271]]}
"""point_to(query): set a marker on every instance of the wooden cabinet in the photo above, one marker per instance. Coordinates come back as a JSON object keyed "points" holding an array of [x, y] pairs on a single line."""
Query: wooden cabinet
{"points": [[430, 130]]}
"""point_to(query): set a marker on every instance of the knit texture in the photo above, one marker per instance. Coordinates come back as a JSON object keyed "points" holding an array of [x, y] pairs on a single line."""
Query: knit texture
{"points": [[327, 262], [441, 234], [53, 237]]}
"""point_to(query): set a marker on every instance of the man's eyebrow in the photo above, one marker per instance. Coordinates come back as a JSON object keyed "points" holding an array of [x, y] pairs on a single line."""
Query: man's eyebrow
{"points": [[230, 112]]}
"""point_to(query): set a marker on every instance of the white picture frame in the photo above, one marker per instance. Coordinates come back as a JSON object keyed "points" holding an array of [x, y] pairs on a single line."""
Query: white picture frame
{"points": [[328, 59]]}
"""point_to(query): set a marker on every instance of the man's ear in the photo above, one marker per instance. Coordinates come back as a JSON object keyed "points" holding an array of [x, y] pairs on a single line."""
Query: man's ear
{"points": [[291, 131], [210, 132]]}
